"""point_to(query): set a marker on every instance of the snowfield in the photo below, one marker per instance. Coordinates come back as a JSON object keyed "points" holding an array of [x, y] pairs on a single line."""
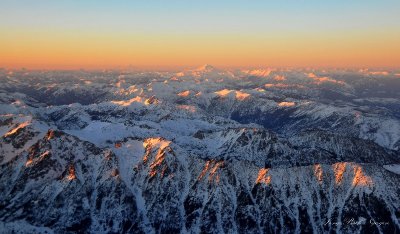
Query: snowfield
{"points": [[202, 150]]}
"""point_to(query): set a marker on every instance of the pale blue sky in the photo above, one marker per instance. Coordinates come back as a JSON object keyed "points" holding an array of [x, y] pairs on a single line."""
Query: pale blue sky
{"points": [[191, 16]]}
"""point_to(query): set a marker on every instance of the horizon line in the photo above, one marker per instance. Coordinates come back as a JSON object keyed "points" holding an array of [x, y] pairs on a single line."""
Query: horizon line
{"points": [[182, 67]]}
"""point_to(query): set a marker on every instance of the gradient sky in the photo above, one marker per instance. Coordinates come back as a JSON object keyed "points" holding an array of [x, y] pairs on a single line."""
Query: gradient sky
{"points": [[59, 34]]}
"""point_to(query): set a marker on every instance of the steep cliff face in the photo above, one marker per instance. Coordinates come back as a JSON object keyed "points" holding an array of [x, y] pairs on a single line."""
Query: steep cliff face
{"points": [[68, 184]]}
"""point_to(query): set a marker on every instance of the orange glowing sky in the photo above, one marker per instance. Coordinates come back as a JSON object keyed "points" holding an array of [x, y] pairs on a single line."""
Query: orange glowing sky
{"points": [[156, 34]]}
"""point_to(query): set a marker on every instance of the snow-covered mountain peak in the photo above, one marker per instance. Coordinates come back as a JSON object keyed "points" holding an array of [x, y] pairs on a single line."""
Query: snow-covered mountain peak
{"points": [[202, 151], [205, 68], [156, 142], [258, 72], [239, 95]]}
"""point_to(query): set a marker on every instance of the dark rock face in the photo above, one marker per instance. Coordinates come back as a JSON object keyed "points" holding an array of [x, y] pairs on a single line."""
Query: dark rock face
{"points": [[70, 185]]}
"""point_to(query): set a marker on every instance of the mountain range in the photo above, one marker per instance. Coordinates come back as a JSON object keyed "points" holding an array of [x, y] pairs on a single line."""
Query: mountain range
{"points": [[202, 150]]}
